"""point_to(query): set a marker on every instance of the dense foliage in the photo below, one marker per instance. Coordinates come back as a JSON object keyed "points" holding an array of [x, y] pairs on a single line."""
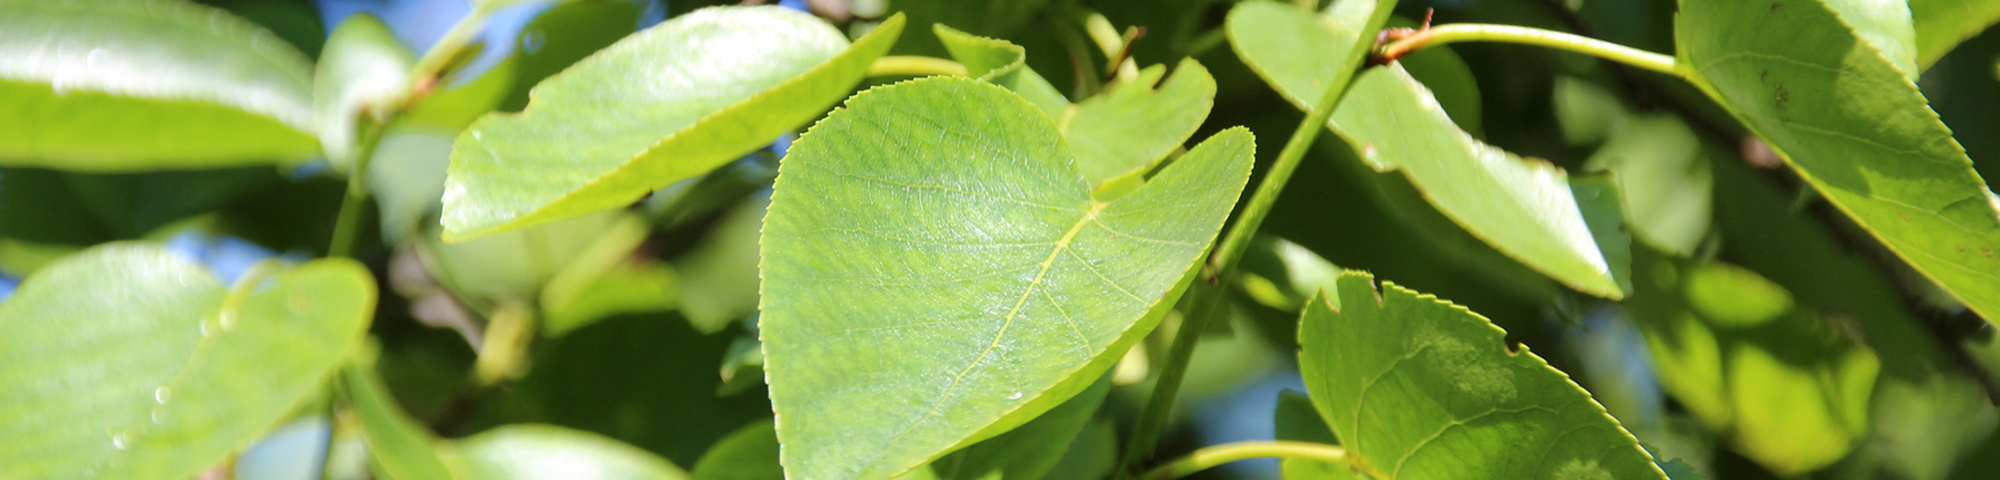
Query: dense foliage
{"points": [[1007, 239]]}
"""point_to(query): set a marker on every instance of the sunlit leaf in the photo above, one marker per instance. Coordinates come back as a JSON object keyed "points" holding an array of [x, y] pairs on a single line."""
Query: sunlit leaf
{"points": [[605, 132], [126, 361], [938, 229], [1523, 207], [147, 85], [1004, 64], [537, 452], [363, 73], [1942, 24], [1417, 387], [1856, 130]]}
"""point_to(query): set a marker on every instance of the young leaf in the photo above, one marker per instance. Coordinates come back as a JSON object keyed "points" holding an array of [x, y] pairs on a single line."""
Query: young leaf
{"points": [[1417, 387], [1121, 132], [536, 452], [1520, 206], [1798, 77], [936, 272], [1943, 24], [667, 104], [127, 362], [147, 85], [364, 68], [1005, 64], [1030, 451], [1131, 126]]}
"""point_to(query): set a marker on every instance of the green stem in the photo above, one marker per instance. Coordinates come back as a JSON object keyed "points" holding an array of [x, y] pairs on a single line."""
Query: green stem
{"points": [[1475, 32], [347, 226], [1108, 40], [446, 52], [1208, 457], [1220, 271], [914, 66]]}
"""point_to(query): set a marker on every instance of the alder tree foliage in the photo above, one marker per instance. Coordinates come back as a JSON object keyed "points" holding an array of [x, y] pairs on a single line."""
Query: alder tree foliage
{"points": [[998, 240]]}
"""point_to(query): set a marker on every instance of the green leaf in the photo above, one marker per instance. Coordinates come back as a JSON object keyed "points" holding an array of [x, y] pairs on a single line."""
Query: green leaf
{"points": [[1886, 25], [147, 85], [1297, 420], [1734, 349], [1417, 387], [406, 176], [1887, 162], [1004, 64], [1031, 451], [604, 132], [362, 74], [627, 288], [127, 362], [1522, 207], [1123, 131], [936, 272], [515, 264], [535, 452], [1943, 24], [721, 270], [1656, 158], [1092, 456], [749, 453], [1131, 126], [399, 447]]}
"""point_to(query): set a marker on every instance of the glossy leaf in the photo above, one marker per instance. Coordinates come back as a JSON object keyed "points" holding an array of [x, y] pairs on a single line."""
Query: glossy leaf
{"points": [[1887, 162], [1735, 349], [1523, 207], [536, 452], [147, 85], [364, 71], [605, 132], [1030, 451], [127, 362], [1943, 24], [1417, 387], [938, 229]]}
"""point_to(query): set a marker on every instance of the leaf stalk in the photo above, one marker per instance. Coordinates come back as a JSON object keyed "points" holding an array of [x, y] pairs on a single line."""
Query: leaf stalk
{"points": [[1219, 273], [1403, 41], [1209, 457]]}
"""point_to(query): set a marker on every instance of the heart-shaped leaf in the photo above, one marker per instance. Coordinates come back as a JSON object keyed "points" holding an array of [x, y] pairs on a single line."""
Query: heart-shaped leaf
{"points": [[127, 362], [364, 69], [1886, 161], [147, 85], [936, 272], [661, 106], [1417, 387], [1522, 207]]}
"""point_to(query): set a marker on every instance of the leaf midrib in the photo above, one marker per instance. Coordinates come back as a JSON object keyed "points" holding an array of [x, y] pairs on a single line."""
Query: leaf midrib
{"points": [[1061, 245]]}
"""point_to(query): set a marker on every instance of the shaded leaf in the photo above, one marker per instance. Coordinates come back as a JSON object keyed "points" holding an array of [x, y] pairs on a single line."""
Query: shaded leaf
{"points": [[147, 85], [1030, 451], [749, 453], [600, 135], [127, 362], [1092, 456], [1737, 352], [1416, 387], [1297, 420], [399, 447], [1887, 162], [1523, 207], [1886, 25], [938, 229]]}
